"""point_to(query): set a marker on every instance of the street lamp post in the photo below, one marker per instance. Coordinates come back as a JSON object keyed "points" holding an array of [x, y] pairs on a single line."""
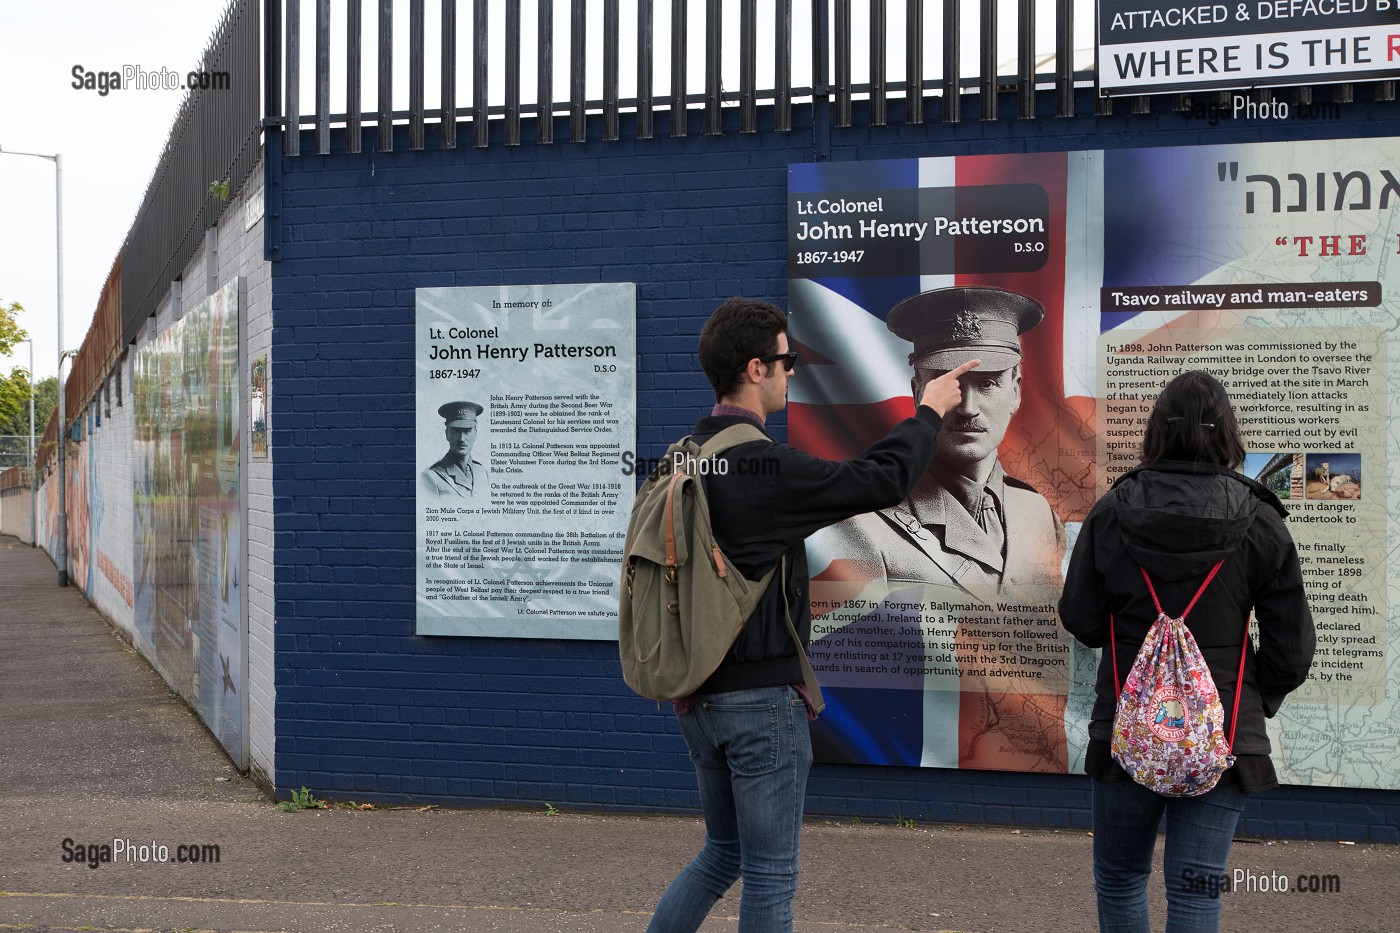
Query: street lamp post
{"points": [[33, 474], [61, 558]]}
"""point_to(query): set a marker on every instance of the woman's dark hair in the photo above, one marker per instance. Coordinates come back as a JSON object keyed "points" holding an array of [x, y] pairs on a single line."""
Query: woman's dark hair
{"points": [[738, 330], [1194, 422]]}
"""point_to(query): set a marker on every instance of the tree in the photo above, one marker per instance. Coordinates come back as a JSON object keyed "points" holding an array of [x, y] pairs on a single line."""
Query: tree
{"points": [[14, 388], [45, 399]]}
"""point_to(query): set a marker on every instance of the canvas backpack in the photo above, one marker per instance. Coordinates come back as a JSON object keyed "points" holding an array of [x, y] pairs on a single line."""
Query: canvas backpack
{"points": [[1168, 730], [682, 603]]}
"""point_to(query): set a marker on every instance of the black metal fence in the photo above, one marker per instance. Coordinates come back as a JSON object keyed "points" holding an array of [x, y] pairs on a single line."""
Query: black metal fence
{"points": [[844, 50], [729, 46], [214, 138]]}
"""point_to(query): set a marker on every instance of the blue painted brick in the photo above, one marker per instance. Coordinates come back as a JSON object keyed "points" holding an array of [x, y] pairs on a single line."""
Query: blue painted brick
{"points": [[691, 221]]}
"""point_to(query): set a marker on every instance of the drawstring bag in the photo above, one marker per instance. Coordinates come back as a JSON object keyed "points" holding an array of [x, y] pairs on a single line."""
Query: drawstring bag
{"points": [[1168, 730]]}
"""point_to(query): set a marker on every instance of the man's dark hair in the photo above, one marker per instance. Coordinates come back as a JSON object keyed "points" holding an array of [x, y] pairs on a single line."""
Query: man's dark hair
{"points": [[739, 330], [1194, 422]]}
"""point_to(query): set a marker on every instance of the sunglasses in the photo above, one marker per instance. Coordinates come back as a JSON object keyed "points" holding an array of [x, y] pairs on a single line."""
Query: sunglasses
{"points": [[789, 360]]}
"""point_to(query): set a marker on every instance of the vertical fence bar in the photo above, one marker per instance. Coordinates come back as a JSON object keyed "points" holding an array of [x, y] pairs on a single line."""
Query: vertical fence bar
{"points": [[610, 39], [292, 145], [272, 61], [748, 69], [1385, 90], [713, 118], [386, 75], [1025, 60], [1344, 93], [578, 87], [645, 110], [987, 90], [843, 62], [481, 123], [449, 74], [323, 76], [512, 72], [914, 61], [782, 67], [1064, 58], [1103, 106], [678, 24], [544, 106], [415, 74], [879, 87], [952, 62], [353, 120]]}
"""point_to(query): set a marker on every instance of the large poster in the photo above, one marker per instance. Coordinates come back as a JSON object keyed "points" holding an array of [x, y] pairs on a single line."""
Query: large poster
{"points": [[1087, 280], [187, 546], [526, 405]]}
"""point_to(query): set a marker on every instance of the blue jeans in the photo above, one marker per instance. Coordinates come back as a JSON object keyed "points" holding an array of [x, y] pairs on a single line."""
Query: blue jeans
{"points": [[752, 751], [1199, 832]]}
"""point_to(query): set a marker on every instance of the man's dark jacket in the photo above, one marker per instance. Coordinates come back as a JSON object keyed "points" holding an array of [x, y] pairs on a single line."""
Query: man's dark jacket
{"points": [[1176, 520], [763, 508]]}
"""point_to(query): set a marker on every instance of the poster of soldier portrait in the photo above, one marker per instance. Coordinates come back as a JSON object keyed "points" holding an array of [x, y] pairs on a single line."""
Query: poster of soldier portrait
{"points": [[1083, 281], [526, 401]]}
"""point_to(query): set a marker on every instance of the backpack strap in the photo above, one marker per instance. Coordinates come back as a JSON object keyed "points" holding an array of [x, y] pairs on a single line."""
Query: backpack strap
{"points": [[1239, 686], [671, 563], [732, 436], [1187, 611], [1113, 653], [809, 677], [1113, 642]]}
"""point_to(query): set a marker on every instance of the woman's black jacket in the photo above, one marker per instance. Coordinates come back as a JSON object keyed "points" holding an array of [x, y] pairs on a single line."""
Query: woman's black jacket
{"points": [[1176, 520]]}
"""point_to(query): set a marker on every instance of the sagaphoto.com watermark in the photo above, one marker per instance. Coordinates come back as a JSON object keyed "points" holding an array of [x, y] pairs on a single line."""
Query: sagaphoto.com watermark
{"points": [[127, 852], [136, 78], [1248, 881], [1241, 107]]}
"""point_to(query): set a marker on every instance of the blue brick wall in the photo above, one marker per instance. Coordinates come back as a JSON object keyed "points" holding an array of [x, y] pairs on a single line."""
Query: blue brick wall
{"points": [[367, 709]]}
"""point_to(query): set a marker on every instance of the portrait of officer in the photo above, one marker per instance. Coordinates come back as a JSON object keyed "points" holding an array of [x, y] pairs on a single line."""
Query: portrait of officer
{"points": [[966, 527], [967, 523], [456, 474]]}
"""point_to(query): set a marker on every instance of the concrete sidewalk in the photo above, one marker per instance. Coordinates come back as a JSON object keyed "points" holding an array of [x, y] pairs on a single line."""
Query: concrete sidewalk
{"points": [[94, 747]]}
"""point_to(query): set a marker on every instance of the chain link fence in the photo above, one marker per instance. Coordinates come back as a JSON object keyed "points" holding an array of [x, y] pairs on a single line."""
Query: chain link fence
{"points": [[14, 450]]}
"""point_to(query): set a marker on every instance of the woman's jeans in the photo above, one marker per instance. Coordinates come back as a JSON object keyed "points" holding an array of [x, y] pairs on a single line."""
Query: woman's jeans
{"points": [[1199, 832], [752, 751]]}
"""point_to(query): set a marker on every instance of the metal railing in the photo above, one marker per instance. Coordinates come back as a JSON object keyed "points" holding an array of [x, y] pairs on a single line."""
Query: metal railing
{"points": [[101, 347], [725, 50], [530, 31], [214, 139]]}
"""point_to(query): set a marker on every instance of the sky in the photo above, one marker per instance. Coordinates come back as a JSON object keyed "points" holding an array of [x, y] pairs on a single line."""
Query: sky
{"points": [[111, 143]]}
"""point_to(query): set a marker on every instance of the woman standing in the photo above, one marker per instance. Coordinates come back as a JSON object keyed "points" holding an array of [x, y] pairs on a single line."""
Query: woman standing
{"points": [[1181, 511]]}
